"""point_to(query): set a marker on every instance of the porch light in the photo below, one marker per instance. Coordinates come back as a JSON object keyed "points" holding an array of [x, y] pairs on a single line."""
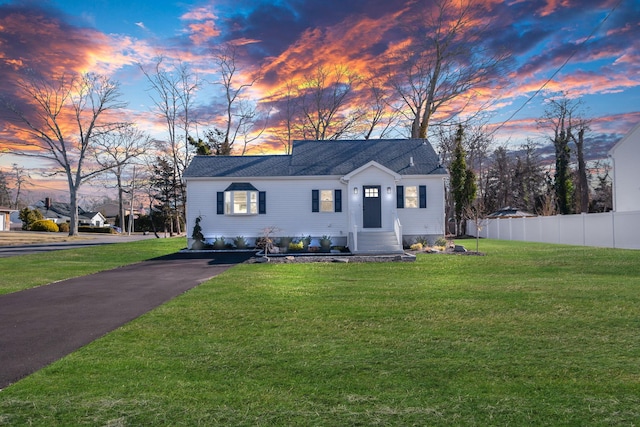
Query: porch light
{"points": [[355, 190], [388, 190]]}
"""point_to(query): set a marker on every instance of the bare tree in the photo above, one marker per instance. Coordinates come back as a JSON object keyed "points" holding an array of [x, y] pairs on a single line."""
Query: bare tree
{"points": [[446, 60], [21, 178], [602, 200], [515, 179], [324, 96], [117, 150], [173, 88], [379, 117], [563, 116], [583, 183], [289, 119], [65, 115], [233, 86]]}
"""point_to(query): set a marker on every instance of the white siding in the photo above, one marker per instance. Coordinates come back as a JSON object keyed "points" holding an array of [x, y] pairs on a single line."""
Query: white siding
{"points": [[626, 173], [429, 221], [373, 176], [288, 205]]}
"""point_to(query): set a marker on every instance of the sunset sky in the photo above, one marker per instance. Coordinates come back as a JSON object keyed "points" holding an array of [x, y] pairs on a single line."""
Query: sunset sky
{"points": [[599, 40]]}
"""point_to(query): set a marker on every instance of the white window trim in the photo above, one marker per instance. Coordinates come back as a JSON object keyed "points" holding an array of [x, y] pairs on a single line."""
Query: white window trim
{"points": [[230, 205], [411, 202], [327, 205]]}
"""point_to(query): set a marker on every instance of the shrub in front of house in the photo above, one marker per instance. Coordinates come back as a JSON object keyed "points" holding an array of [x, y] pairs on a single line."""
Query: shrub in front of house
{"points": [[416, 247], [219, 243], [63, 227], [240, 242], [44, 225], [296, 246], [440, 242], [423, 240]]}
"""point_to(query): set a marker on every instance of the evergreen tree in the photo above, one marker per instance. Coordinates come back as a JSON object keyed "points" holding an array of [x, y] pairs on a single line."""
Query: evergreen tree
{"points": [[166, 192], [463, 181]]}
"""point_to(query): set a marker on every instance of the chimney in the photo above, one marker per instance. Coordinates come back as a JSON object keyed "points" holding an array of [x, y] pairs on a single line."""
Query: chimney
{"points": [[411, 161], [47, 202]]}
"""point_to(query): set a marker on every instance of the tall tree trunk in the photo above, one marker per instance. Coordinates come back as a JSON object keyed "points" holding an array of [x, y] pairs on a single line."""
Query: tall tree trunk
{"points": [[120, 201], [73, 210], [583, 191]]}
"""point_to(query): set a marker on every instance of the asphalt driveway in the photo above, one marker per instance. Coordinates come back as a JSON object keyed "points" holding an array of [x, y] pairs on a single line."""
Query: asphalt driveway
{"points": [[43, 324]]}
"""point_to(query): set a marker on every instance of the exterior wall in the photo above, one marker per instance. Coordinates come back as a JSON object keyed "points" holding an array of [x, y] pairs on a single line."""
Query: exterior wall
{"points": [[626, 174], [429, 221], [288, 207], [372, 176]]}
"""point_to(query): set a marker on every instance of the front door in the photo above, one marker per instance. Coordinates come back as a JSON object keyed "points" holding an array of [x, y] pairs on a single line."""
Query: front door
{"points": [[371, 207]]}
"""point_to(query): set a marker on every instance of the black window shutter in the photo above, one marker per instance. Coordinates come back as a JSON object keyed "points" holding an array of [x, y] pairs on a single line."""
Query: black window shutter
{"points": [[423, 196], [220, 202], [400, 196], [315, 200], [338, 200], [262, 202]]}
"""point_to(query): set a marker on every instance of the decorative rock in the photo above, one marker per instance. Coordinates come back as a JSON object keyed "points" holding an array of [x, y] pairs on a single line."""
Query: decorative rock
{"points": [[343, 260], [459, 248], [262, 259], [290, 258]]}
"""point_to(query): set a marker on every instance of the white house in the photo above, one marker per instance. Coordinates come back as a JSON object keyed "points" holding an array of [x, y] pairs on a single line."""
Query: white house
{"points": [[626, 174], [60, 213], [366, 195]]}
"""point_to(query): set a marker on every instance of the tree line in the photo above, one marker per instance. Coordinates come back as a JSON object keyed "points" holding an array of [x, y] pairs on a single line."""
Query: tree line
{"points": [[422, 89]]}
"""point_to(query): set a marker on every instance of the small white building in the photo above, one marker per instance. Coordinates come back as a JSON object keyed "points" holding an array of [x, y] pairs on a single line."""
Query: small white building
{"points": [[368, 195], [626, 173], [5, 218]]}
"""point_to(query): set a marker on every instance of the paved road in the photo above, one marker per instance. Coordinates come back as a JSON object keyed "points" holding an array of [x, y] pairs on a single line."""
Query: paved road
{"points": [[91, 240], [43, 324]]}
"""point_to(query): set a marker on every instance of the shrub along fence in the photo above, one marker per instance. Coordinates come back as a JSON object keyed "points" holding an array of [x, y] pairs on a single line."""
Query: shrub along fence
{"points": [[609, 230]]}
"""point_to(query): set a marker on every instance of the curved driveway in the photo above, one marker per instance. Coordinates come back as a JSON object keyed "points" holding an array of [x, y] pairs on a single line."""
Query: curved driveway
{"points": [[43, 324]]}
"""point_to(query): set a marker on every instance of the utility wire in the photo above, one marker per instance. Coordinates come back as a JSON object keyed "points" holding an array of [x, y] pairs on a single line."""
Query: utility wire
{"points": [[566, 61]]}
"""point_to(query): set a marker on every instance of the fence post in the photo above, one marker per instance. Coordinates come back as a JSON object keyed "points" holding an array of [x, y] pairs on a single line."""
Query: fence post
{"points": [[613, 227]]}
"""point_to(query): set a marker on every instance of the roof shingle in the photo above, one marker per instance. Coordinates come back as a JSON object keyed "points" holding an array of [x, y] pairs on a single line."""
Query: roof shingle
{"points": [[318, 158]]}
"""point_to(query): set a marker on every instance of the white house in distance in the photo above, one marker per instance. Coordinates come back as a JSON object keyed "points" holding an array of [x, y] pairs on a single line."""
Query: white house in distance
{"points": [[60, 212], [5, 218], [367, 195], [626, 173]]}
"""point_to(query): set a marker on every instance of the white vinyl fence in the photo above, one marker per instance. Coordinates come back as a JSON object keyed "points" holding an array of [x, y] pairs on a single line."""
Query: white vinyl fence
{"points": [[610, 230]]}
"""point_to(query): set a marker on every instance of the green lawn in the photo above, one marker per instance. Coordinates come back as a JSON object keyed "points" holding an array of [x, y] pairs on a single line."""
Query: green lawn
{"points": [[27, 271], [529, 334]]}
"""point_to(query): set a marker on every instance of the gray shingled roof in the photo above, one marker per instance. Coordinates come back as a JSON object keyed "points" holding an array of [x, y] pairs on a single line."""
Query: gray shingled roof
{"points": [[324, 158]]}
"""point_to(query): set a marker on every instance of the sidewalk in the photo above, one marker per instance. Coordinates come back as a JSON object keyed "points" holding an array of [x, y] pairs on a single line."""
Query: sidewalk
{"points": [[40, 325]]}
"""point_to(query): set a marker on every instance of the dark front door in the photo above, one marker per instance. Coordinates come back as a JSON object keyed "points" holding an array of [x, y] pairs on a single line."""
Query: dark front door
{"points": [[371, 207]]}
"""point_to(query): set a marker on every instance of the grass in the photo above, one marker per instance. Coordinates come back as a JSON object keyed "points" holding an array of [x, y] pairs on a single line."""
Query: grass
{"points": [[27, 271], [10, 238], [529, 334]]}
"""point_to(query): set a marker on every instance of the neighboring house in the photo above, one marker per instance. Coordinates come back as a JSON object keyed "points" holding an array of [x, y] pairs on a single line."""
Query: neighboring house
{"points": [[5, 218], [626, 174], [368, 195], [110, 211], [61, 212]]}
